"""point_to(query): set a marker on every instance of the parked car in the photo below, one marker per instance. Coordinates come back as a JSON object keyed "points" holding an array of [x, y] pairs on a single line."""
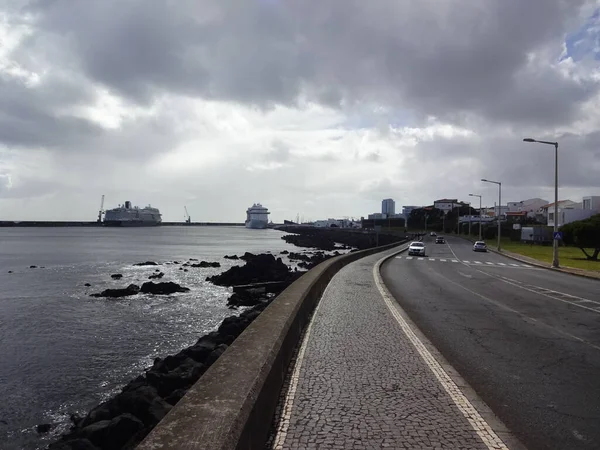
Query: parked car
{"points": [[440, 240], [432, 233], [479, 246], [416, 248]]}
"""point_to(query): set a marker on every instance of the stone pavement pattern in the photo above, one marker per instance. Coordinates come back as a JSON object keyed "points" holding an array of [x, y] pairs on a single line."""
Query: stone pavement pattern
{"points": [[362, 384]]}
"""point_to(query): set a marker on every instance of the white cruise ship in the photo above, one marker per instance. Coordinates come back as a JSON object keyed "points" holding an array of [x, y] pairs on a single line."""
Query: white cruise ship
{"points": [[126, 216], [257, 216]]}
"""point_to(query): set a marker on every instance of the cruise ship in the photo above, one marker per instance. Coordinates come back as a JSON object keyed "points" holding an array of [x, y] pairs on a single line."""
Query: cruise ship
{"points": [[128, 216], [257, 216]]}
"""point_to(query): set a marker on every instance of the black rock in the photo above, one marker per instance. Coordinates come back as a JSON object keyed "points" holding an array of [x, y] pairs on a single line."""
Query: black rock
{"points": [[193, 259], [147, 263], [44, 427], [248, 297], [87, 284], [33, 267], [175, 262], [216, 353], [113, 434], [231, 257], [143, 403], [116, 276], [258, 268], [200, 351], [206, 264], [185, 270], [285, 252], [164, 288], [132, 289], [175, 396], [73, 444], [181, 377], [156, 276]]}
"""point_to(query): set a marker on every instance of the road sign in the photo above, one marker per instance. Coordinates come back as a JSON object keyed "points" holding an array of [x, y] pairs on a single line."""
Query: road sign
{"points": [[558, 235]]}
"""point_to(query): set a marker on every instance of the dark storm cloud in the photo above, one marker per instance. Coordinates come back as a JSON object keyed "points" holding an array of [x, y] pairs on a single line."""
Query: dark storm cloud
{"points": [[435, 58]]}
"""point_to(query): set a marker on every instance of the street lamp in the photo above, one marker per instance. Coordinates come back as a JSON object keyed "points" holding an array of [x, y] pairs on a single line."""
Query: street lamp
{"points": [[554, 241], [476, 195], [499, 205]]}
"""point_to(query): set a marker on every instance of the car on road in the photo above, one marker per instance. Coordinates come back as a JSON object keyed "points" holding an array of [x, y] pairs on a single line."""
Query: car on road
{"points": [[416, 248], [479, 246], [432, 233], [440, 240]]}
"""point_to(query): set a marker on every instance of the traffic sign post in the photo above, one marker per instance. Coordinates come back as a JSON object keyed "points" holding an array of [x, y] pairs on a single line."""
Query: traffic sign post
{"points": [[558, 235]]}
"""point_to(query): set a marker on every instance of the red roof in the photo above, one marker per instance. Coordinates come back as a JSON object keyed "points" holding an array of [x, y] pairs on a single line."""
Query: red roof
{"points": [[516, 213]]}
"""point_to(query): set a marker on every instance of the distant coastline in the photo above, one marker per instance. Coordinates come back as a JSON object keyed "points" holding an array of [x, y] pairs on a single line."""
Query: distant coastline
{"points": [[48, 223]]}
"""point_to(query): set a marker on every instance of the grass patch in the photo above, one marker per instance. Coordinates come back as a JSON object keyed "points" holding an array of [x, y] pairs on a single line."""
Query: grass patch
{"points": [[568, 256]]}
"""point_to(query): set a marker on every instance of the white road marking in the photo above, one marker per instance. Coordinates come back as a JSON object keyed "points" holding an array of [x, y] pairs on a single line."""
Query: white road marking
{"points": [[409, 257], [515, 265], [478, 262], [421, 259], [431, 259], [467, 262], [454, 260], [490, 263], [442, 260], [286, 413], [398, 257], [501, 264], [508, 308], [481, 427], [573, 299], [525, 265]]}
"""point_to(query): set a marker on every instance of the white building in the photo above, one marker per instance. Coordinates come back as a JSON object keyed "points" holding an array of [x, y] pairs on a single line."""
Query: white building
{"points": [[406, 210], [377, 216], [388, 207], [591, 203], [530, 206], [446, 204], [569, 214]]}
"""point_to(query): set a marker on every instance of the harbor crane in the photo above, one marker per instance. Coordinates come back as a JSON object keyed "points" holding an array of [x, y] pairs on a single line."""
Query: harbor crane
{"points": [[188, 219], [101, 210]]}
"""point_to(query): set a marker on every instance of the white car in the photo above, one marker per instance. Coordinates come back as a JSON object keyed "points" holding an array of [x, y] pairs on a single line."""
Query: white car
{"points": [[432, 233], [479, 246], [416, 248]]}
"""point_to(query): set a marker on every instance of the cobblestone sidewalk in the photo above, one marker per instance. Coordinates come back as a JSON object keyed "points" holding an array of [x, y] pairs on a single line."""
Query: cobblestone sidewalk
{"points": [[359, 382]]}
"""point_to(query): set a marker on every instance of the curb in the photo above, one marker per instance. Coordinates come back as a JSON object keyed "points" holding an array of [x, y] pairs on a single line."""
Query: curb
{"points": [[509, 439], [511, 255]]}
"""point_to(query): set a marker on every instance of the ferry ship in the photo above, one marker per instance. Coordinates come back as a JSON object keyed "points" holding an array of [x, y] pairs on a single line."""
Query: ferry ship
{"points": [[257, 217], [128, 216]]}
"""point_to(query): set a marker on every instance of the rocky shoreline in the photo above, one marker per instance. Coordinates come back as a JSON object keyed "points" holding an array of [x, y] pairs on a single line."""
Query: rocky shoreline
{"points": [[124, 420]]}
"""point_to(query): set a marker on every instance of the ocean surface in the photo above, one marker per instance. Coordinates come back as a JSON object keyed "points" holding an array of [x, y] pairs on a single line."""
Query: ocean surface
{"points": [[62, 351]]}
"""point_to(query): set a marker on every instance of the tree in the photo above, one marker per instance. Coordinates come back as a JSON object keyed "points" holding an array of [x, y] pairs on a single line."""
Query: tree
{"points": [[417, 218], [584, 234]]}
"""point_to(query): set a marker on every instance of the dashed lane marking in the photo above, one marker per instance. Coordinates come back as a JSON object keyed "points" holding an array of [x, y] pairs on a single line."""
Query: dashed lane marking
{"points": [[479, 425]]}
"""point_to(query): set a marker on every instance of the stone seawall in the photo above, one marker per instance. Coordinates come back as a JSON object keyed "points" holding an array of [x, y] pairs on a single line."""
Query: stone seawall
{"points": [[232, 404]]}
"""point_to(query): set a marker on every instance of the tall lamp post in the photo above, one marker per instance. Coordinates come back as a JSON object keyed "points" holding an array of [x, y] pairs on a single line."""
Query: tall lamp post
{"points": [[554, 240], [499, 205], [476, 195]]}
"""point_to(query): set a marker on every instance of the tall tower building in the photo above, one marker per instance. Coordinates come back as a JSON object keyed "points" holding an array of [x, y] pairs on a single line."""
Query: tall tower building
{"points": [[388, 207]]}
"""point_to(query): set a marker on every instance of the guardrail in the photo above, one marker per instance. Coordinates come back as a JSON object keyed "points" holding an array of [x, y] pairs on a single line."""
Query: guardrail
{"points": [[232, 405]]}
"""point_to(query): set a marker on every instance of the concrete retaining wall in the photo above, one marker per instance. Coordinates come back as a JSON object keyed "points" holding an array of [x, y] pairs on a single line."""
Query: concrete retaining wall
{"points": [[233, 403]]}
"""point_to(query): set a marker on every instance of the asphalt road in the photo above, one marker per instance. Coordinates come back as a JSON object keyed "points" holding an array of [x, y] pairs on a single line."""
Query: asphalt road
{"points": [[526, 339]]}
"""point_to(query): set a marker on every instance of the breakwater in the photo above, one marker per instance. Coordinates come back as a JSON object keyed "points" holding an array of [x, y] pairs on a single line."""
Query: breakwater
{"points": [[57, 223]]}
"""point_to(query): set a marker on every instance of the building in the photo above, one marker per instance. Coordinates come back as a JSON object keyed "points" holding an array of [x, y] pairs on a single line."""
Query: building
{"points": [[591, 203], [530, 206], [388, 207], [570, 214], [446, 204], [377, 216], [406, 210], [545, 211]]}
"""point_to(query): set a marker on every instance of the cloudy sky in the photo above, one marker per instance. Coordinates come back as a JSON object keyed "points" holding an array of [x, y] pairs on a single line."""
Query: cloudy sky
{"points": [[318, 108]]}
